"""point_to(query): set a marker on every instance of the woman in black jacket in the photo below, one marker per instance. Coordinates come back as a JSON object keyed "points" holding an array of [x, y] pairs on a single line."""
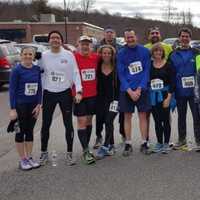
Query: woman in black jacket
{"points": [[107, 98]]}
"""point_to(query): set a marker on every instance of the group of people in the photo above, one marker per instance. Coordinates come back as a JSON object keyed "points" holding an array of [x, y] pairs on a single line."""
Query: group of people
{"points": [[109, 80]]}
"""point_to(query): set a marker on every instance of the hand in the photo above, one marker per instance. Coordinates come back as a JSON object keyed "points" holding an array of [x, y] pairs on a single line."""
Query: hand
{"points": [[134, 95], [138, 91], [78, 98], [36, 111], [166, 102], [13, 114]]}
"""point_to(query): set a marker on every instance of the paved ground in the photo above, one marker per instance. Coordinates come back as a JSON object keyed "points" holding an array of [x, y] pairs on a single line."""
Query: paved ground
{"points": [[156, 177]]}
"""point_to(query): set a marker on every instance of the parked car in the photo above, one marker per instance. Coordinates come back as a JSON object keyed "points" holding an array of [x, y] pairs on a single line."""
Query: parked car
{"points": [[9, 57], [38, 47], [195, 44]]}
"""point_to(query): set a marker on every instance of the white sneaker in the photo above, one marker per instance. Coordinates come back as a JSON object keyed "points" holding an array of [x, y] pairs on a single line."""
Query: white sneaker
{"points": [[33, 163], [69, 159], [25, 165]]}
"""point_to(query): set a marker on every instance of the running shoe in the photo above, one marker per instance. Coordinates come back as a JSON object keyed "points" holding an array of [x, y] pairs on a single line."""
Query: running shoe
{"points": [[112, 149], [197, 147], [25, 165], [33, 163], [157, 148], [181, 145], [98, 143], [102, 152], [145, 149], [44, 158], [88, 157], [166, 148], [128, 149], [70, 159]]}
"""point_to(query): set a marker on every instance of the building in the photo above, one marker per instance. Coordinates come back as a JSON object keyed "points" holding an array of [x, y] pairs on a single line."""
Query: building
{"points": [[24, 31]]}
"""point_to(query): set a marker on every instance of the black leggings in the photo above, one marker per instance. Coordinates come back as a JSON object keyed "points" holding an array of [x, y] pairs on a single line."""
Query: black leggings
{"points": [[50, 100], [26, 122], [104, 116], [162, 123]]}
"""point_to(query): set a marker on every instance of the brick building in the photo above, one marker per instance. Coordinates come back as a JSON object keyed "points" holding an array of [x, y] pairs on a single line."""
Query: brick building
{"points": [[24, 31]]}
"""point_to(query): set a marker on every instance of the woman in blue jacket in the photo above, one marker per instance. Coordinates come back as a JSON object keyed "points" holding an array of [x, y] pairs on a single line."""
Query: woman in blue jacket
{"points": [[25, 99]]}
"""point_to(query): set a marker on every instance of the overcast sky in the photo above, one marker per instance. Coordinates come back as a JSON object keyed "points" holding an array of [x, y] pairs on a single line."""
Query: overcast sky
{"points": [[148, 8]]}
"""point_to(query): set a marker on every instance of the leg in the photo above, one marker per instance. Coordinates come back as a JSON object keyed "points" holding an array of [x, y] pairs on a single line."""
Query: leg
{"points": [[182, 111], [65, 104], [128, 125], [158, 124], [82, 131], [166, 124], [121, 124], [143, 125], [196, 120], [109, 138], [49, 105], [29, 132]]}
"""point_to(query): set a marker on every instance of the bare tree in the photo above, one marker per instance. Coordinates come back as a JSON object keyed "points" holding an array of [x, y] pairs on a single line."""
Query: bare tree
{"points": [[169, 14], [86, 5]]}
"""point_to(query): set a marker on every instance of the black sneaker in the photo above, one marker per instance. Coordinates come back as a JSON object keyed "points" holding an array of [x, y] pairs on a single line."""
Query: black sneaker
{"points": [[44, 158], [145, 149], [98, 143], [127, 150]]}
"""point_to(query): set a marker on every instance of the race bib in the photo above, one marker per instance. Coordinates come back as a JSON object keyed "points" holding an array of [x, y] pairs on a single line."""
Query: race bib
{"points": [[57, 77], [113, 106], [135, 68], [157, 84], [188, 82], [88, 74], [31, 89]]}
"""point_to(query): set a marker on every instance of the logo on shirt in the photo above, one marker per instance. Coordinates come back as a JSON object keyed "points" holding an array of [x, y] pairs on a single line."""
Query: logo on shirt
{"points": [[64, 61]]}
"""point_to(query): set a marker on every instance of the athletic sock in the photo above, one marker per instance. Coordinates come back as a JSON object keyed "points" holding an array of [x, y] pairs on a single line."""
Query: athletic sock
{"points": [[89, 133], [82, 135]]}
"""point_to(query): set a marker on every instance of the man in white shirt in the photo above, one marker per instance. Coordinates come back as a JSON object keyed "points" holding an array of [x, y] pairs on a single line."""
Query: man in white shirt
{"points": [[60, 73]]}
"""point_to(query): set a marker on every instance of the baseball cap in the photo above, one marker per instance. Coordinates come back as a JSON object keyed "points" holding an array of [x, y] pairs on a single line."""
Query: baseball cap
{"points": [[109, 29], [85, 38]]}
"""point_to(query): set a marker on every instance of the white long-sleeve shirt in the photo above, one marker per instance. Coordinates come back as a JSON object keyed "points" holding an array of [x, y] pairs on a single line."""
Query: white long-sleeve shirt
{"points": [[60, 71]]}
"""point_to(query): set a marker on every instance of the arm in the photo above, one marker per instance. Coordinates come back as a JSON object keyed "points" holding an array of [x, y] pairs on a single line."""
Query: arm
{"points": [[13, 93], [121, 69], [146, 71]]}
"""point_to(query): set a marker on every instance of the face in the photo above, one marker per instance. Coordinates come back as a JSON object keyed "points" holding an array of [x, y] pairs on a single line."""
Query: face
{"points": [[55, 40], [184, 39], [154, 36], [158, 54], [130, 38], [106, 55], [27, 56], [109, 35], [84, 47]]}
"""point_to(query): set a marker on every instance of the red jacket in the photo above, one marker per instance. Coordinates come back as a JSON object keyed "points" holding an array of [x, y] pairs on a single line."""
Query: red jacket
{"points": [[87, 67]]}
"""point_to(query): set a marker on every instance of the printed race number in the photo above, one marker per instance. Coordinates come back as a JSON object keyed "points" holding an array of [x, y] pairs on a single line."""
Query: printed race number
{"points": [[188, 82], [135, 68], [113, 106], [57, 77], [157, 84], [88, 74], [31, 89]]}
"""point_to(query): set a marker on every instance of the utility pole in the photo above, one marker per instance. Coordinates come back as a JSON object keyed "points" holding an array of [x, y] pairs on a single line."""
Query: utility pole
{"points": [[65, 20]]}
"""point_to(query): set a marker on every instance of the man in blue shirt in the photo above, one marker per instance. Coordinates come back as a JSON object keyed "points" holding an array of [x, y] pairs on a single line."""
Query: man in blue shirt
{"points": [[133, 63], [183, 62]]}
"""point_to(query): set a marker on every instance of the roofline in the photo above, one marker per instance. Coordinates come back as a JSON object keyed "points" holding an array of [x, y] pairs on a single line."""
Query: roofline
{"points": [[26, 23]]}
